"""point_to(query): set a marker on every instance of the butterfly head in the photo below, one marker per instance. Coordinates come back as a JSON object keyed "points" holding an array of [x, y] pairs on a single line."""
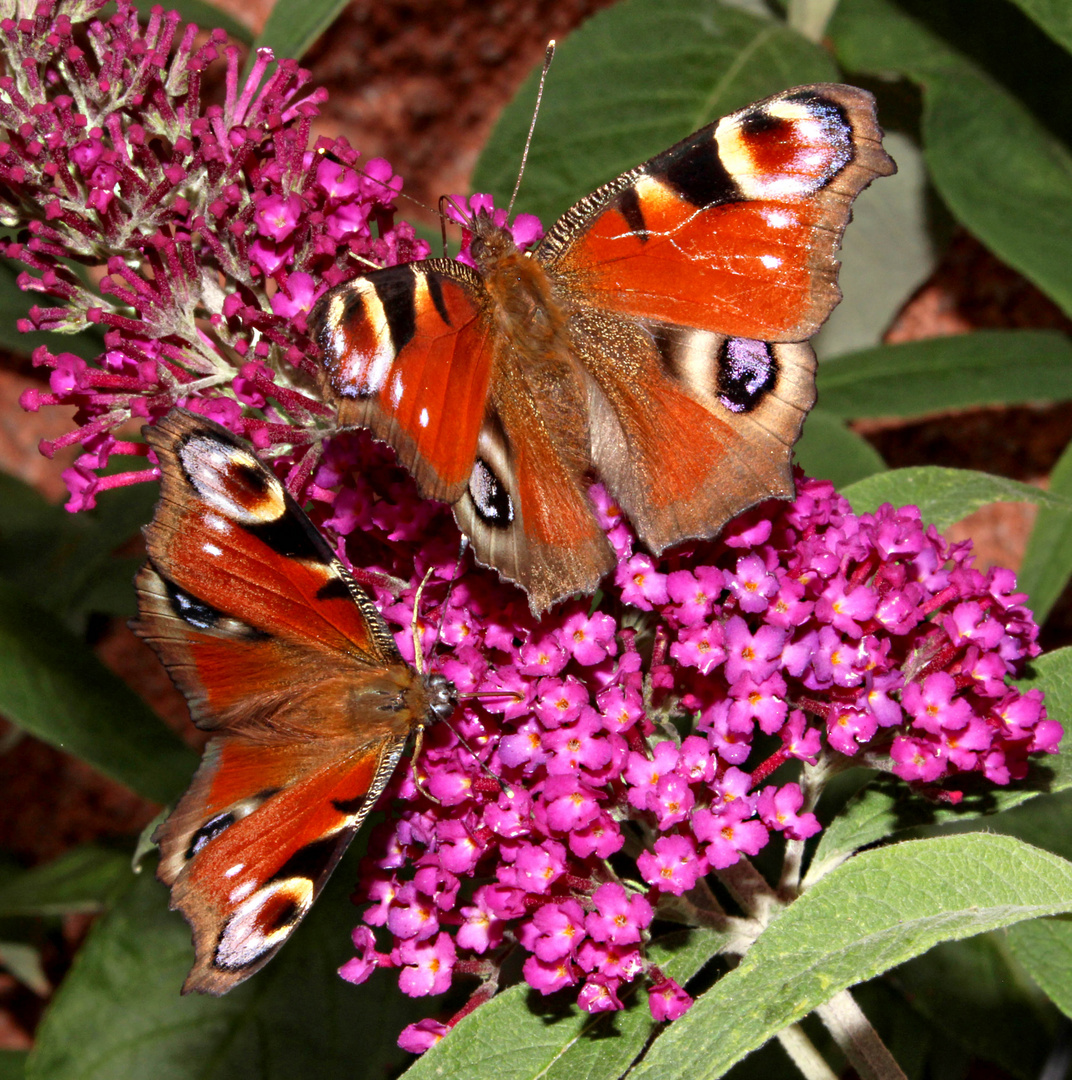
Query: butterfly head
{"points": [[490, 241], [442, 697]]}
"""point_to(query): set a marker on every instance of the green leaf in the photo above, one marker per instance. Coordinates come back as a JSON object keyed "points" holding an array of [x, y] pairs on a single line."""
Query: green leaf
{"points": [[830, 451], [119, 1015], [24, 963], [919, 1047], [65, 561], [998, 169], [1054, 16], [54, 687], [207, 16], [989, 367], [632, 81], [1003, 175], [995, 1013], [1044, 947], [886, 254], [874, 912], [944, 495], [514, 1036], [81, 880], [292, 28], [13, 1064], [1047, 564]]}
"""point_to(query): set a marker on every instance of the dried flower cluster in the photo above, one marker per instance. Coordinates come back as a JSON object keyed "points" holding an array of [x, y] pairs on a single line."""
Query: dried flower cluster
{"points": [[217, 225]]}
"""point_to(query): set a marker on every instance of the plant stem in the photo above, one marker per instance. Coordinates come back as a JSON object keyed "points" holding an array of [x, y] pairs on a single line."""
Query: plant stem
{"points": [[804, 1055], [809, 17], [858, 1040]]}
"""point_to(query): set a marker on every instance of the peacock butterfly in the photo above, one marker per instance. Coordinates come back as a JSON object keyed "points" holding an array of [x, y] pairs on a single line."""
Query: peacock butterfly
{"points": [[287, 662], [656, 339]]}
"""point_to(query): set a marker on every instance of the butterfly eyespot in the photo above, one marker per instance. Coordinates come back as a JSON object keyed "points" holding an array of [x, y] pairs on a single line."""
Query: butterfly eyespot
{"points": [[202, 616], [262, 923], [747, 370], [492, 500], [231, 480]]}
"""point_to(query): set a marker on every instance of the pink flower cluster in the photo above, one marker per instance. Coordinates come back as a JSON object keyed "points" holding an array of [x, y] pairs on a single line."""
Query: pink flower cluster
{"points": [[648, 725], [218, 226]]}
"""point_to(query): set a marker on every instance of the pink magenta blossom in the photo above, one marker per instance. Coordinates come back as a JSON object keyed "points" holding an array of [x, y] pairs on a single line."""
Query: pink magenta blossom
{"points": [[605, 759]]}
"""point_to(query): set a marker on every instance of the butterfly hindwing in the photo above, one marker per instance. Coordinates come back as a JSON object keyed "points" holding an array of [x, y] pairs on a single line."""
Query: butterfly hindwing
{"points": [[250, 846], [286, 660], [656, 340]]}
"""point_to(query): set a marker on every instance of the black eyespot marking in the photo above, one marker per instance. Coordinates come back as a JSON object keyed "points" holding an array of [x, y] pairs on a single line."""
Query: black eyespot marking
{"points": [[209, 831], [492, 500], [353, 307], [196, 613], [282, 914], [202, 616], [396, 287], [334, 589], [349, 806], [697, 174], [747, 370], [314, 860], [628, 205], [830, 112], [762, 122], [289, 537], [255, 481]]}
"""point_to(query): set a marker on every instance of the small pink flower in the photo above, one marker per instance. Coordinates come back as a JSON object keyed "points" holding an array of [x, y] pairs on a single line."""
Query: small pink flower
{"points": [[428, 965], [668, 1001]]}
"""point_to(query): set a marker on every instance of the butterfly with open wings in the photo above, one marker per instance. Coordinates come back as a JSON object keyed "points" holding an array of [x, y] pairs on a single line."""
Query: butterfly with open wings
{"points": [[285, 659], [656, 340]]}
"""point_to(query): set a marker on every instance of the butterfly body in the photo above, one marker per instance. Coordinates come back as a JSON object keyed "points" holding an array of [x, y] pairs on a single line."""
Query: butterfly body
{"points": [[655, 341], [287, 662]]}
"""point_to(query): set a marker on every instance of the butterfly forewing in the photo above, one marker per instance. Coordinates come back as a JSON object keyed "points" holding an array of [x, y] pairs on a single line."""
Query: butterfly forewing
{"points": [[735, 229], [409, 358], [287, 661]]}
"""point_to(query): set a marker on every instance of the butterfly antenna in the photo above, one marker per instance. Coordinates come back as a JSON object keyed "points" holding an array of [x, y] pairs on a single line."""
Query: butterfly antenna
{"points": [[548, 56], [415, 624], [418, 782], [418, 663], [458, 735]]}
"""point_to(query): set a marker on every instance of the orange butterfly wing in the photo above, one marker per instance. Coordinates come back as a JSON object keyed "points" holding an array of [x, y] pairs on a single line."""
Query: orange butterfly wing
{"points": [[693, 281], [281, 655], [409, 356]]}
